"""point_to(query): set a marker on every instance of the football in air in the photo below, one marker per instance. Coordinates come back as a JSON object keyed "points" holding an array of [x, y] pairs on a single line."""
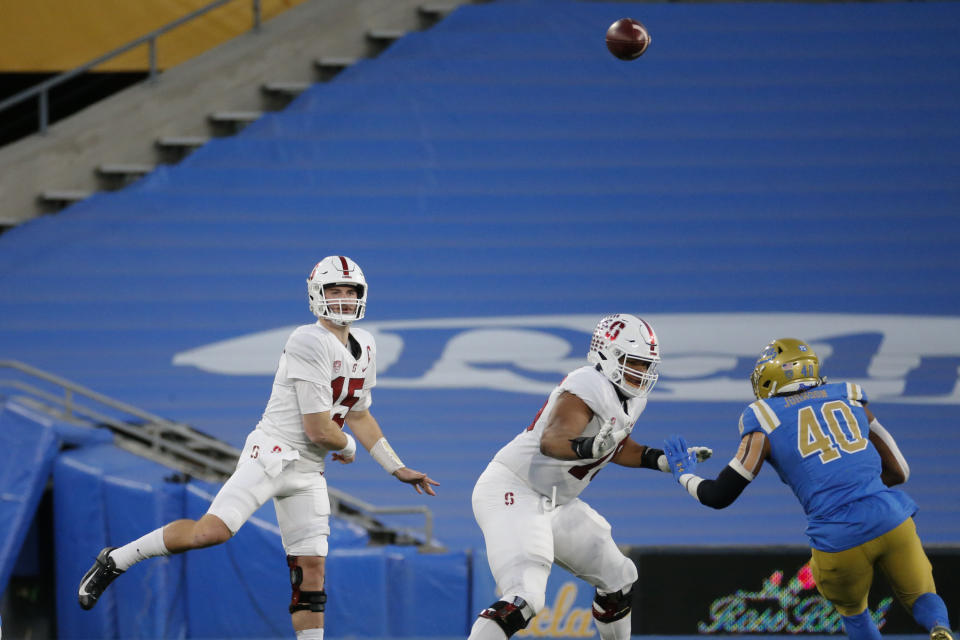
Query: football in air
{"points": [[627, 39]]}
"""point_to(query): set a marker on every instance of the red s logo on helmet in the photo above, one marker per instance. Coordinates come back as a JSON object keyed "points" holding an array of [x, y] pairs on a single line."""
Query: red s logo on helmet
{"points": [[614, 330]]}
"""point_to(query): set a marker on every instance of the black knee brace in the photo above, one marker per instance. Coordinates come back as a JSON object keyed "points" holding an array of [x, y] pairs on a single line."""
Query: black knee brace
{"points": [[612, 606], [303, 600], [510, 616]]}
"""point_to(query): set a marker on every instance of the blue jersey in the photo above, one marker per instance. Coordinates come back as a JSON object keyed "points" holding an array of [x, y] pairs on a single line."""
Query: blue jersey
{"points": [[820, 447]]}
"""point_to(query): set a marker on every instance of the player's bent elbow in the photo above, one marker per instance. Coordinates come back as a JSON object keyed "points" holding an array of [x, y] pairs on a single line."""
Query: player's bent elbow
{"points": [[718, 503], [555, 448], [331, 442], [709, 495], [893, 477], [327, 438]]}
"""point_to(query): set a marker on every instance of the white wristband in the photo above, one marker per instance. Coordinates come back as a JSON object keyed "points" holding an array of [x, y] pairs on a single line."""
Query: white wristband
{"points": [[350, 450], [663, 464], [384, 454], [690, 482]]}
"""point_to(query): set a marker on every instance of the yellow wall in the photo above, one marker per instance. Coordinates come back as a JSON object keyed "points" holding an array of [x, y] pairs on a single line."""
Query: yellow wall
{"points": [[58, 35]]}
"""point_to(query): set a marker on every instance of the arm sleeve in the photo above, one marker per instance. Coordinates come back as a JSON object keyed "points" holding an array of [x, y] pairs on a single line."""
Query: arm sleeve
{"points": [[719, 493]]}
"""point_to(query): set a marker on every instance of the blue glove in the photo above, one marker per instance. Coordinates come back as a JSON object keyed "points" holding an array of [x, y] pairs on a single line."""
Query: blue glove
{"points": [[680, 458]]}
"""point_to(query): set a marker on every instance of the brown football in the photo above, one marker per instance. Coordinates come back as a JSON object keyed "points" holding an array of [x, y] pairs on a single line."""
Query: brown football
{"points": [[627, 39]]}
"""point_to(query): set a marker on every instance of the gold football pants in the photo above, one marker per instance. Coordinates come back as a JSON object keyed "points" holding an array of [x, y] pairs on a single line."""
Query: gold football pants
{"points": [[844, 577]]}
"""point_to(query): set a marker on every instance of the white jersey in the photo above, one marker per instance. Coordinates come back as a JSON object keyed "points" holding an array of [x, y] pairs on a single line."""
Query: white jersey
{"points": [[343, 375], [570, 477]]}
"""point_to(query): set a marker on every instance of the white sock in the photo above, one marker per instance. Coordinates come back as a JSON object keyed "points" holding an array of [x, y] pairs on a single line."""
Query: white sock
{"points": [[618, 630], [310, 634], [149, 546], [486, 629]]}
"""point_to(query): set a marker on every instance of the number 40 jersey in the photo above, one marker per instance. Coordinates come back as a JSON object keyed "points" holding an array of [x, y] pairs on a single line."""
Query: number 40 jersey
{"points": [[569, 477], [819, 445]]}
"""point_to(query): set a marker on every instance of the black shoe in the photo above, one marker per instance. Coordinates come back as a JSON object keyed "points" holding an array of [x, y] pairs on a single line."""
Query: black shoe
{"points": [[95, 582]]}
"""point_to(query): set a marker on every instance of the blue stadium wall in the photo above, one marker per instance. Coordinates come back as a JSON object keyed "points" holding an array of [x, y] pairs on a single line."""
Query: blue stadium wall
{"points": [[764, 170]]}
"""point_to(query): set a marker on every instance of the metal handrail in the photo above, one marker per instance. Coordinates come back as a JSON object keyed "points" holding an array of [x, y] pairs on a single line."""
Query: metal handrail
{"points": [[190, 451], [42, 90]]}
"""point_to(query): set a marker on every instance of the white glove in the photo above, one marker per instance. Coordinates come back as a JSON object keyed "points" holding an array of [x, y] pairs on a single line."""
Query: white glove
{"points": [[607, 440], [702, 453], [601, 444]]}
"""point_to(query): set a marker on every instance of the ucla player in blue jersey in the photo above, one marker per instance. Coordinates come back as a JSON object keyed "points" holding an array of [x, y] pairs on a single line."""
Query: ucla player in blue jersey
{"points": [[841, 463]]}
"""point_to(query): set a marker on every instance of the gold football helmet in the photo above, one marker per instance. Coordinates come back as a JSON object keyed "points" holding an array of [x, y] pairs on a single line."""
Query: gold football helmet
{"points": [[785, 365]]}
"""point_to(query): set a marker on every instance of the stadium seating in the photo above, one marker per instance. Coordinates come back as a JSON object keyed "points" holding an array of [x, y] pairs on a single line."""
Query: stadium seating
{"points": [[501, 171]]}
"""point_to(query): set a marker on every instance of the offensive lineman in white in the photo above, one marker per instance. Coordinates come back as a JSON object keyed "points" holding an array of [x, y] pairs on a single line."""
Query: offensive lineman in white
{"points": [[526, 501], [323, 379]]}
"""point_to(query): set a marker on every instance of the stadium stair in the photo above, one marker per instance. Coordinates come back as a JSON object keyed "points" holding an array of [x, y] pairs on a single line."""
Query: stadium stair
{"points": [[215, 79]]}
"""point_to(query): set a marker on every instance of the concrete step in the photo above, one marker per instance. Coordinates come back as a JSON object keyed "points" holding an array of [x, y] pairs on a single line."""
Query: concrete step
{"points": [[230, 122], [328, 67], [383, 38], [277, 95], [434, 12], [173, 149], [116, 175], [182, 142], [289, 88], [51, 200]]}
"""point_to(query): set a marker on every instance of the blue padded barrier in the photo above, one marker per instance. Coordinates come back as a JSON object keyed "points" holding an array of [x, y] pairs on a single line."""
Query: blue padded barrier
{"points": [[239, 589], [29, 444], [396, 592], [357, 585], [440, 579], [105, 497]]}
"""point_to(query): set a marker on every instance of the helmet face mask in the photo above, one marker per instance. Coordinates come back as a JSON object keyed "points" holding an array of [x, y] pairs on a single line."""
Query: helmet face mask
{"points": [[785, 365], [337, 271], [627, 352]]}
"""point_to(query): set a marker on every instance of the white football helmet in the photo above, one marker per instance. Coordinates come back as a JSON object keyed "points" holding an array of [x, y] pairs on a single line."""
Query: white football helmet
{"points": [[620, 340], [337, 270]]}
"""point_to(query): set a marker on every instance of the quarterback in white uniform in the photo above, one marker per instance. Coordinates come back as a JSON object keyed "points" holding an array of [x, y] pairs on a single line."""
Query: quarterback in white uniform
{"points": [[323, 380], [527, 500]]}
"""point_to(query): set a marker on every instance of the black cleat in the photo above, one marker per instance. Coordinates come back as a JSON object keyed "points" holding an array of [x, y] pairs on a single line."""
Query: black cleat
{"points": [[96, 581], [940, 633]]}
